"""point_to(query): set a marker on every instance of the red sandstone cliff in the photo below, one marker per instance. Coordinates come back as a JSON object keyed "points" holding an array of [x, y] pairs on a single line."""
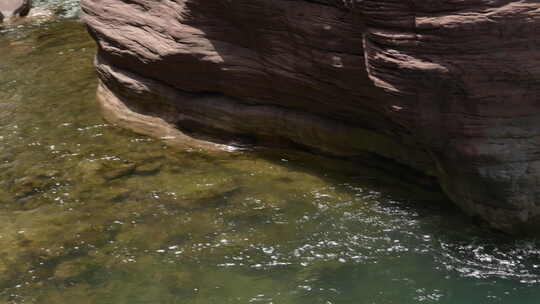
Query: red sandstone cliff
{"points": [[17, 8], [448, 87]]}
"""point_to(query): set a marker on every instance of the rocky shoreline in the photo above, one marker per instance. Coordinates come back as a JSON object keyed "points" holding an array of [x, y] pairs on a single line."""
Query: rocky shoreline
{"points": [[446, 88]]}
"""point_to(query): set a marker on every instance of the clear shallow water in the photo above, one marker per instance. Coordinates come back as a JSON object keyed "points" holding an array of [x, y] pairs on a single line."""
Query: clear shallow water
{"points": [[63, 8], [93, 214]]}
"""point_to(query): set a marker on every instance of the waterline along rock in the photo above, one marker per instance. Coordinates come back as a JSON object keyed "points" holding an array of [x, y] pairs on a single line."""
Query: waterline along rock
{"points": [[447, 87]]}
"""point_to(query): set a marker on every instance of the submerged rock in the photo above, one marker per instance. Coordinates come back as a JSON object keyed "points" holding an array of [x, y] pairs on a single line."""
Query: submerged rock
{"points": [[446, 87], [148, 168], [72, 269], [113, 170]]}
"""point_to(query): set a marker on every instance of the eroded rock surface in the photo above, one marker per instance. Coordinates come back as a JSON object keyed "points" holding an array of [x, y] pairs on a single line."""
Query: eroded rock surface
{"points": [[18, 8], [447, 87]]}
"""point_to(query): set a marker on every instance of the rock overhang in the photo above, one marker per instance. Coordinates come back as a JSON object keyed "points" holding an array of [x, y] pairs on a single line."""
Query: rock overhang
{"points": [[446, 87]]}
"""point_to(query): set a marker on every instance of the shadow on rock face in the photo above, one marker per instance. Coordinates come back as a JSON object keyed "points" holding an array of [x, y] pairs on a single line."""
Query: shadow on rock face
{"points": [[341, 80], [14, 8]]}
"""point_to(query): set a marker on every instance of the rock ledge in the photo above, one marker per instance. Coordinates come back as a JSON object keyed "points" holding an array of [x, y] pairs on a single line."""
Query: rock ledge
{"points": [[446, 87]]}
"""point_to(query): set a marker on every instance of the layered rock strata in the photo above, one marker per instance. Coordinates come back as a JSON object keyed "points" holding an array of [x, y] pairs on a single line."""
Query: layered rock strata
{"points": [[446, 87]]}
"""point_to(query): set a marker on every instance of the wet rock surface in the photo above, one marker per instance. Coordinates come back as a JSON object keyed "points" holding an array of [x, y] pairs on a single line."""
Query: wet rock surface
{"points": [[446, 87]]}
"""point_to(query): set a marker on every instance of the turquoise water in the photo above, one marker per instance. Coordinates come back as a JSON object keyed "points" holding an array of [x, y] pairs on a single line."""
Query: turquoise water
{"points": [[93, 214]]}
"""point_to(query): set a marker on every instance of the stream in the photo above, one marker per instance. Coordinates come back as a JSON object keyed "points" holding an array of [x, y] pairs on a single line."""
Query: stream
{"points": [[90, 213]]}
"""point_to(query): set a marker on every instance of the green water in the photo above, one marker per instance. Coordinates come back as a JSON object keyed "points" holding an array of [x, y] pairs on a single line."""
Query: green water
{"points": [[93, 214]]}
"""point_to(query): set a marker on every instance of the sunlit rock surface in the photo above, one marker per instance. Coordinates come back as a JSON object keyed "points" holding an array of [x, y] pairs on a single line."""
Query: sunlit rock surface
{"points": [[446, 87], [17, 8]]}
